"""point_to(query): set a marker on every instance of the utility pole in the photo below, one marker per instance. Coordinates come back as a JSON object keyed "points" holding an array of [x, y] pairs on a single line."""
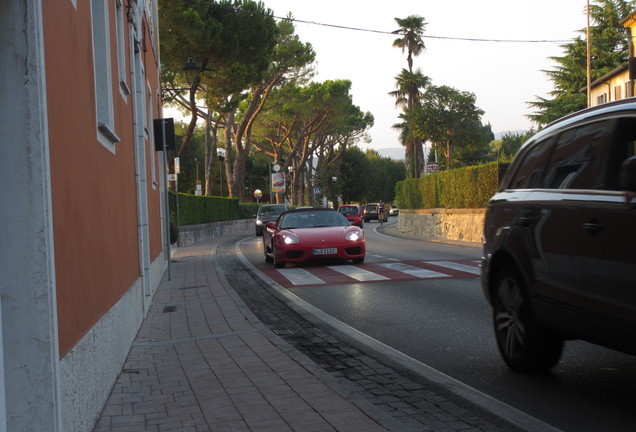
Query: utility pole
{"points": [[589, 58]]}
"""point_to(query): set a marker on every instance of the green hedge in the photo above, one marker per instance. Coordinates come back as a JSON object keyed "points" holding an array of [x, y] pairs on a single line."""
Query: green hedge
{"points": [[468, 187], [194, 209], [248, 210]]}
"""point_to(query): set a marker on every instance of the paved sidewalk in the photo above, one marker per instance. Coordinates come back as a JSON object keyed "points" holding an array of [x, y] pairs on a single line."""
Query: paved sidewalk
{"points": [[201, 362]]}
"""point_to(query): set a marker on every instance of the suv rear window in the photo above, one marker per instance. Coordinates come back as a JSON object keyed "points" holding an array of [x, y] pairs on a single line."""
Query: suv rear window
{"points": [[530, 169], [584, 157], [580, 157]]}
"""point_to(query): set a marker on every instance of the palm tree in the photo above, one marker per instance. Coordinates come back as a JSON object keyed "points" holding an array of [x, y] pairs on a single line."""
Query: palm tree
{"points": [[407, 96], [411, 29], [408, 85]]}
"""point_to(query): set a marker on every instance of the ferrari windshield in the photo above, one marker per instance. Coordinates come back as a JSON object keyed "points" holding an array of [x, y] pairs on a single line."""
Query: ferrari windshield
{"points": [[312, 219]]}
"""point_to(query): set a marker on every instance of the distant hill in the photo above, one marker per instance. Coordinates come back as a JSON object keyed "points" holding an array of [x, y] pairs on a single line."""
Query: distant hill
{"points": [[397, 153]]}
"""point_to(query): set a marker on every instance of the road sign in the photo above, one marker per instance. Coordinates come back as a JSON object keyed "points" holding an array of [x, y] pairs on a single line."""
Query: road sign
{"points": [[278, 182]]}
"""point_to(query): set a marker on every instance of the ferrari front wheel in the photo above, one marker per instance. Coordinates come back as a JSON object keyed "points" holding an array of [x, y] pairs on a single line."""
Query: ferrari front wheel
{"points": [[277, 263], [268, 259]]}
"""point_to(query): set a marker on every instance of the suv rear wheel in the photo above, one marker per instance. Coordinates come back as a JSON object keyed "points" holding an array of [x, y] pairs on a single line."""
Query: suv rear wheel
{"points": [[524, 345]]}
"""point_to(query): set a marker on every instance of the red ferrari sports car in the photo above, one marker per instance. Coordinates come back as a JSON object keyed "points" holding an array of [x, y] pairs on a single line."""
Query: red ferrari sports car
{"points": [[352, 213], [303, 235]]}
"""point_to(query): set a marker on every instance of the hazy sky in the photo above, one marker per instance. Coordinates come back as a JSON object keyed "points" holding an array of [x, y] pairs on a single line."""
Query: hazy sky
{"points": [[503, 75]]}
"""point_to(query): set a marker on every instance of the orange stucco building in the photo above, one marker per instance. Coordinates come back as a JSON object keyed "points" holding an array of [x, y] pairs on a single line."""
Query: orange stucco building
{"points": [[82, 202]]}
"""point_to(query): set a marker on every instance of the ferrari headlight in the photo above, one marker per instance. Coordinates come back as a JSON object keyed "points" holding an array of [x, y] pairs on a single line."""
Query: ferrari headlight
{"points": [[354, 235], [289, 239]]}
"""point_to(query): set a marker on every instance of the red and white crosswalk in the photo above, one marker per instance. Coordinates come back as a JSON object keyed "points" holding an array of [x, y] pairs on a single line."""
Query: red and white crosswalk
{"points": [[372, 272]]}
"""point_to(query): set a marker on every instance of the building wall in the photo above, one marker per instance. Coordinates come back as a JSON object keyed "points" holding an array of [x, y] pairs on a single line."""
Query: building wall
{"points": [[83, 236], [607, 91], [29, 380], [93, 189]]}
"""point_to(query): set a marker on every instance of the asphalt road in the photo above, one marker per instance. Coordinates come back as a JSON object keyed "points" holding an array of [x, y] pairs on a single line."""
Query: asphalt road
{"points": [[442, 320]]}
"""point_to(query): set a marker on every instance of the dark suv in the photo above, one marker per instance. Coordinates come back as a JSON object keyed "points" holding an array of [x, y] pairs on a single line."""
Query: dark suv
{"points": [[370, 212], [268, 213], [560, 239]]}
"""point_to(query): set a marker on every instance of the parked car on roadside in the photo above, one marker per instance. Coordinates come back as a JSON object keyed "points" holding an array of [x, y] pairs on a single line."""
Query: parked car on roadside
{"points": [[559, 258], [267, 213], [394, 210], [352, 213], [299, 236]]}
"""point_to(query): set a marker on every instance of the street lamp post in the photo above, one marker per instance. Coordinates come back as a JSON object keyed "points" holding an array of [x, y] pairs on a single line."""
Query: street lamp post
{"points": [[291, 183], [221, 153], [198, 189], [191, 70]]}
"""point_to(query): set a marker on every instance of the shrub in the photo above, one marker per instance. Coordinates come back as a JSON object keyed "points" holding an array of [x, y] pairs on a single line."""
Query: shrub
{"points": [[194, 209], [467, 187]]}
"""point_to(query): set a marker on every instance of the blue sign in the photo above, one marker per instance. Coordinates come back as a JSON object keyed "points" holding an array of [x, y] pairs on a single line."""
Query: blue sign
{"points": [[317, 191]]}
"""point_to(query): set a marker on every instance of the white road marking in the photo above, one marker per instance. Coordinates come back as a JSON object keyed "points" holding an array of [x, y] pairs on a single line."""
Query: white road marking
{"points": [[456, 266], [382, 258], [298, 276], [413, 271], [358, 273]]}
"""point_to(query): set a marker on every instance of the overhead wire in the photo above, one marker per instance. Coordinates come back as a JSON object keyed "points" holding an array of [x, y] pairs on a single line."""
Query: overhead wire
{"points": [[465, 39], [452, 38]]}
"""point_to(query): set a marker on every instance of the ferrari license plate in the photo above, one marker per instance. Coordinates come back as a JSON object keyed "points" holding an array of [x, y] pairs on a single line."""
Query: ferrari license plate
{"points": [[326, 251]]}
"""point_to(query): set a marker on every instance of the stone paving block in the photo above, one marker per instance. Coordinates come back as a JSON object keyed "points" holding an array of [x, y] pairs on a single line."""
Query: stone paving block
{"points": [[206, 366], [230, 426]]}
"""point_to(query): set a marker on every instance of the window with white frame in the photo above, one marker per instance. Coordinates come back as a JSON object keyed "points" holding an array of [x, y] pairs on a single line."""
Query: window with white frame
{"points": [[121, 47], [103, 75]]}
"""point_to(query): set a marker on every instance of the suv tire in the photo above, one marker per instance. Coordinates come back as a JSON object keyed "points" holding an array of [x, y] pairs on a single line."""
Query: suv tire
{"points": [[524, 345]]}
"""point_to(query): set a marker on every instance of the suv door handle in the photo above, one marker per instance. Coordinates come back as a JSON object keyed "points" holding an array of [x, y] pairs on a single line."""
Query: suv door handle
{"points": [[593, 227]]}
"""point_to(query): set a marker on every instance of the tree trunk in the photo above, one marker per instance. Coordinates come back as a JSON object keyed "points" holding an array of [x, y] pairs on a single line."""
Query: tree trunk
{"points": [[409, 159], [418, 154], [193, 117], [229, 154]]}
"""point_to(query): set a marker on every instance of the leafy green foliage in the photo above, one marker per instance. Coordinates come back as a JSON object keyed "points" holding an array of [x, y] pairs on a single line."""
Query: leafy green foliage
{"points": [[368, 177], [468, 187], [194, 210], [233, 42], [449, 119], [408, 85], [609, 51], [411, 29]]}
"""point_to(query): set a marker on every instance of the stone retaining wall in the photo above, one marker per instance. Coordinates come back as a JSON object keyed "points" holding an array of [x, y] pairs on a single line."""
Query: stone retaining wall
{"points": [[191, 234], [445, 224]]}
